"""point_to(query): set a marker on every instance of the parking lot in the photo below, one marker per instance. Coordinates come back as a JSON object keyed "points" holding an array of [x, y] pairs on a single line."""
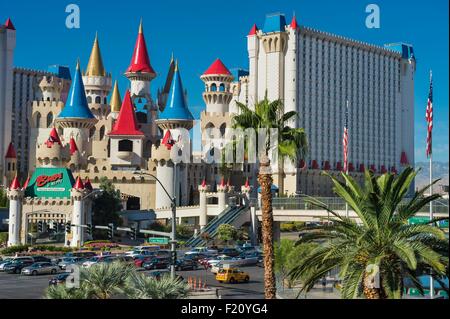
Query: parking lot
{"points": [[32, 287]]}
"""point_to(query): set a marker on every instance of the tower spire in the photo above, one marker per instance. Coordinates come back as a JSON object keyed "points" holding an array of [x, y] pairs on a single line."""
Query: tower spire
{"points": [[116, 100], [140, 62], [95, 65]]}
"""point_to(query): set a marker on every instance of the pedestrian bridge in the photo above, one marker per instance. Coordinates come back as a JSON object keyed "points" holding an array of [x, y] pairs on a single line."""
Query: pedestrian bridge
{"points": [[293, 209]]}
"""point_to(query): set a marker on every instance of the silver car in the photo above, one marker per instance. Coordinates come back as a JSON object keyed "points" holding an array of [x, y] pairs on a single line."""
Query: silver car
{"points": [[66, 261], [10, 260], [40, 268]]}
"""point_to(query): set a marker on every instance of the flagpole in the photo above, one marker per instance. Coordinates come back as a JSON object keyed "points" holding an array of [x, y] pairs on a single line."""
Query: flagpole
{"points": [[431, 193]]}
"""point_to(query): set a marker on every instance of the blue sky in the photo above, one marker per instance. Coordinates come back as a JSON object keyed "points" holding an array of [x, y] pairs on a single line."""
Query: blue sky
{"points": [[199, 31]]}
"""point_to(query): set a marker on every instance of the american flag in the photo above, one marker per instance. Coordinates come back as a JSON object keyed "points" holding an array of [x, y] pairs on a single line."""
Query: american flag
{"points": [[345, 140], [429, 117]]}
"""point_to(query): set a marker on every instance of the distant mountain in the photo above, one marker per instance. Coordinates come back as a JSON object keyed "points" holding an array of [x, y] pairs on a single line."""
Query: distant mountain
{"points": [[440, 170]]}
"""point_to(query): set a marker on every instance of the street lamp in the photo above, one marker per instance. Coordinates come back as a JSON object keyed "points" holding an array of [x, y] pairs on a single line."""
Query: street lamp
{"points": [[174, 214]]}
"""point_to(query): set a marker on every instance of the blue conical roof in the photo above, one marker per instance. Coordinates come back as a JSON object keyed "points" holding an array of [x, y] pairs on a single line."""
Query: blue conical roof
{"points": [[176, 108], [76, 104]]}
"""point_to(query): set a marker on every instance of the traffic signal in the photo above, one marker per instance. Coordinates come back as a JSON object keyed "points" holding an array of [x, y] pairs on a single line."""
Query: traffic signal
{"points": [[89, 229], [110, 231], [173, 257], [133, 233], [40, 226], [68, 227]]}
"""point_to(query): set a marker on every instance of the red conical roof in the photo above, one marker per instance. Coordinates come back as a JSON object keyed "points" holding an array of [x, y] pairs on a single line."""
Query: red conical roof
{"points": [[11, 152], [87, 184], [15, 184], [222, 182], [294, 24], [247, 184], [53, 138], [25, 185], [9, 25], [126, 123], [253, 30], [204, 183], [78, 184], [73, 146], [403, 159], [217, 68], [140, 61]]}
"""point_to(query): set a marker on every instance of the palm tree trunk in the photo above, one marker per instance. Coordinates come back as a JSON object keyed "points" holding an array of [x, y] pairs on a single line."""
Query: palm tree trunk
{"points": [[371, 292], [265, 181]]}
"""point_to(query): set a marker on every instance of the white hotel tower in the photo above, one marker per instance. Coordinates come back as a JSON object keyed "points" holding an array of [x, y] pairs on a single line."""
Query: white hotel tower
{"points": [[7, 45], [315, 73]]}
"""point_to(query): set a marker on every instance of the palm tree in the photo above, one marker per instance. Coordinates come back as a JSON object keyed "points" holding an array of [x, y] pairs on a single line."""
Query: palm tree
{"points": [[105, 279], [291, 144], [63, 292], [383, 243], [140, 286]]}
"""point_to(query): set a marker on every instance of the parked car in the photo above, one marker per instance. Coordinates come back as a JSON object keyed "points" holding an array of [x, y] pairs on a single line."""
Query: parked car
{"points": [[66, 261], [138, 261], [16, 267], [84, 254], [125, 259], [149, 248], [60, 279], [142, 252], [232, 275], [4, 262], [37, 259], [196, 256], [96, 260], [232, 252], [40, 268], [203, 250], [185, 264], [224, 259], [163, 253], [156, 263], [249, 258]]}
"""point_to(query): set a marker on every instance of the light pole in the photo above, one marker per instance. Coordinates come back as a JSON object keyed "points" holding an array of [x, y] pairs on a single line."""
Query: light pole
{"points": [[173, 251]]}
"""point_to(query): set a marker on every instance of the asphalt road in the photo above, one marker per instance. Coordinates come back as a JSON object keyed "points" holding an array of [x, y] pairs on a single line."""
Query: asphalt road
{"points": [[32, 287]]}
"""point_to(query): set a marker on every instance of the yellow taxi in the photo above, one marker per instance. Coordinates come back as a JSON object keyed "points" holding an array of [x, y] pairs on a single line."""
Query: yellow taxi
{"points": [[232, 275]]}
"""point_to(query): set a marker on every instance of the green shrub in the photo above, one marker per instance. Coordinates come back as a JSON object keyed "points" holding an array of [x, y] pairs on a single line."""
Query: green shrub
{"points": [[3, 238], [15, 249]]}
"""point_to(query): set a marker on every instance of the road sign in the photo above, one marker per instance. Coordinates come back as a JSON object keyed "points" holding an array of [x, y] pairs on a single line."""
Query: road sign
{"points": [[158, 240]]}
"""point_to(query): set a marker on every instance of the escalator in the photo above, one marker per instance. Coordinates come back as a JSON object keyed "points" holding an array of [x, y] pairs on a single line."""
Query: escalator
{"points": [[228, 216]]}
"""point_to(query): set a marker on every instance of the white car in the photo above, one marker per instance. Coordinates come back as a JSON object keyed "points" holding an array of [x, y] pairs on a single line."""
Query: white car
{"points": [[98, 259], [202, 250], [223, 259], [142, 252]]}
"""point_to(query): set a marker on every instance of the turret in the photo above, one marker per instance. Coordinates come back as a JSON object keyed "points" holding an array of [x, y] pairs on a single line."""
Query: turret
{"points": [[141, 73], [10, 164], [115, 102], [175, 121], [97, 82], [222, 190], [217, 94], [51, 88], [51, 153], [126, 137], [203, 189], [77, 194], [76, 118], [15, 196], [253, 52]]}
